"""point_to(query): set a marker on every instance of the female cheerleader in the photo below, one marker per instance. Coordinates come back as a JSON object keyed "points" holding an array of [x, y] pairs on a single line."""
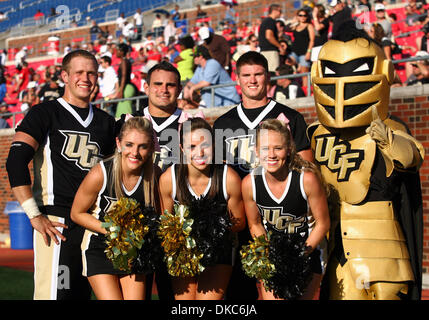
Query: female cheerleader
{"points": [[128, 173], [285, 193], [196, 176]]}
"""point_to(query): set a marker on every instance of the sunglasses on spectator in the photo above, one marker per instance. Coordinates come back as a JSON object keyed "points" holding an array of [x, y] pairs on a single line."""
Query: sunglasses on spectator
{"points": [[302, 15]]}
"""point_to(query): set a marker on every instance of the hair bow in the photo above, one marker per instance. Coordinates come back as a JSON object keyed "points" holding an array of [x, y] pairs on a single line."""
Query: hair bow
{"points": [[128, 117], [281, 117], [184, 116]]}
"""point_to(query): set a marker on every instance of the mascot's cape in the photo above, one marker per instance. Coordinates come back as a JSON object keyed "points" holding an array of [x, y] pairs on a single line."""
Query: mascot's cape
{"points": [[410, 217]]}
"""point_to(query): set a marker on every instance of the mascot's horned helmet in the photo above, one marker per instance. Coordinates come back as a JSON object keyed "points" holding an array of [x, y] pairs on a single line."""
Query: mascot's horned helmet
{"points": [[348, 79]]}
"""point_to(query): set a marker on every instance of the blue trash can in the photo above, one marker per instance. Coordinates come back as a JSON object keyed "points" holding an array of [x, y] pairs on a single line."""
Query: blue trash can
{"points": [[21, 231]]}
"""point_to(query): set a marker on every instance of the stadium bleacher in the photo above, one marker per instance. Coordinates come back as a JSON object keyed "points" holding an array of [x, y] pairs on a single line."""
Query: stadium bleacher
{"points": [[22, 12]]}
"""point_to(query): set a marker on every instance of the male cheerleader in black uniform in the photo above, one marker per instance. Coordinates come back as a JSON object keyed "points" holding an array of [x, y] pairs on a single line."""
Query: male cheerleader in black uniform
{"points": [[237, 130], [65, 138]]}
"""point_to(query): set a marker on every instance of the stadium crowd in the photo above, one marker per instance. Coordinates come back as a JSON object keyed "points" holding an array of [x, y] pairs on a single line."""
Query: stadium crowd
{"points": [[206, 56]]}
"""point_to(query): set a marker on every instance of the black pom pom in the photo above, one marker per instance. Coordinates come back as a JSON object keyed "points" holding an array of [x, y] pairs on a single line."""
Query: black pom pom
{"points": [[151, 254], [293, 274], [211, 228]]}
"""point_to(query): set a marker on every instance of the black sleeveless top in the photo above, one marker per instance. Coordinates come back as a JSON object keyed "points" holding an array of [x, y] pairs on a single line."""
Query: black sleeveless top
{"points": [[301, 41], [107, 198], [221, 196], [290, 213]]}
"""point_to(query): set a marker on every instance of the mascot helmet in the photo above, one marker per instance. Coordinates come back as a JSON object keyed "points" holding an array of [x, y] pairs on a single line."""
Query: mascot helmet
{"points": [[348, 79]]}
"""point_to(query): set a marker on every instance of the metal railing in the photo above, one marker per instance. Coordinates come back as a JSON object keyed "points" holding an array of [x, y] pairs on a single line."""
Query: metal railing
{"points": [[138, 99]]}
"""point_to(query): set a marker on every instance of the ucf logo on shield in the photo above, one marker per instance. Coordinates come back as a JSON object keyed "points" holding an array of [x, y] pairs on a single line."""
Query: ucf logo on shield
{"points": [[338, 156]]}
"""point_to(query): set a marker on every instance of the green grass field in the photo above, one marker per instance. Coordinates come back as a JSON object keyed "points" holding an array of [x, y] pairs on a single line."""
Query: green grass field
{"points": [[18, 285], [15, 284]]}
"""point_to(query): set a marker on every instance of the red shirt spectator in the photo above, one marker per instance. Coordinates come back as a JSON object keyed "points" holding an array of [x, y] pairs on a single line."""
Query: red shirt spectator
{"points": [[38, 15], [23, 77]]}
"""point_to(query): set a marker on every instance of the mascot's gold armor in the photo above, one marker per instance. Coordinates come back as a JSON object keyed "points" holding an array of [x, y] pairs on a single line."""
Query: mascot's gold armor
{"points": [[351, 83]]}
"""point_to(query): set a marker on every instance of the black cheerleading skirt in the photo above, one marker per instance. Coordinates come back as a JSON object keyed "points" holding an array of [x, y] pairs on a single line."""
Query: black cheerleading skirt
{"points": [[94, 258]]}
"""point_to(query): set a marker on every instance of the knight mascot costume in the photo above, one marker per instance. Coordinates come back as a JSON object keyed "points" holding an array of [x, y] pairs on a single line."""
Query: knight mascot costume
{"points": [[370, 162]]}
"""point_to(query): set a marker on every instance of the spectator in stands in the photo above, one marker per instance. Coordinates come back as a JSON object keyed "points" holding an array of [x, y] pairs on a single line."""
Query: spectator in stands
{"points": [[340, 13], [120, 23], [321, 29], [21, 56], [29, 97], [128, 31], [67, 49], [185, 60], [422, 42], [3, 16], [3, 88], [157, 27], [53, 12], [174, 14], [281, 28], [380, 13], [243, 30], [251, 44], [89, 47], [37, 80], [149, 42], [170, 31], [23, 77], [256, 24], [230, 14], [420, 70], [3, 57], [421, 14], [218, 47], [286, 88], [303, 42], [138, 21], [3, 109], [366, 3], [38, 15], [58, 69], [376, 32], [144, 70], [210, 72], [126, 87], [200, 12], [109, 83], [51, 90], [94, 30], [410, 15], [268, 37], [49, 72], [285, 52]]}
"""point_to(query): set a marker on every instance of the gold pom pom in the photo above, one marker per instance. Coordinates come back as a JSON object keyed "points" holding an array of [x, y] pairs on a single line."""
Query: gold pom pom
{"points": [[255, 260], [181, 254], [125, 232]]}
